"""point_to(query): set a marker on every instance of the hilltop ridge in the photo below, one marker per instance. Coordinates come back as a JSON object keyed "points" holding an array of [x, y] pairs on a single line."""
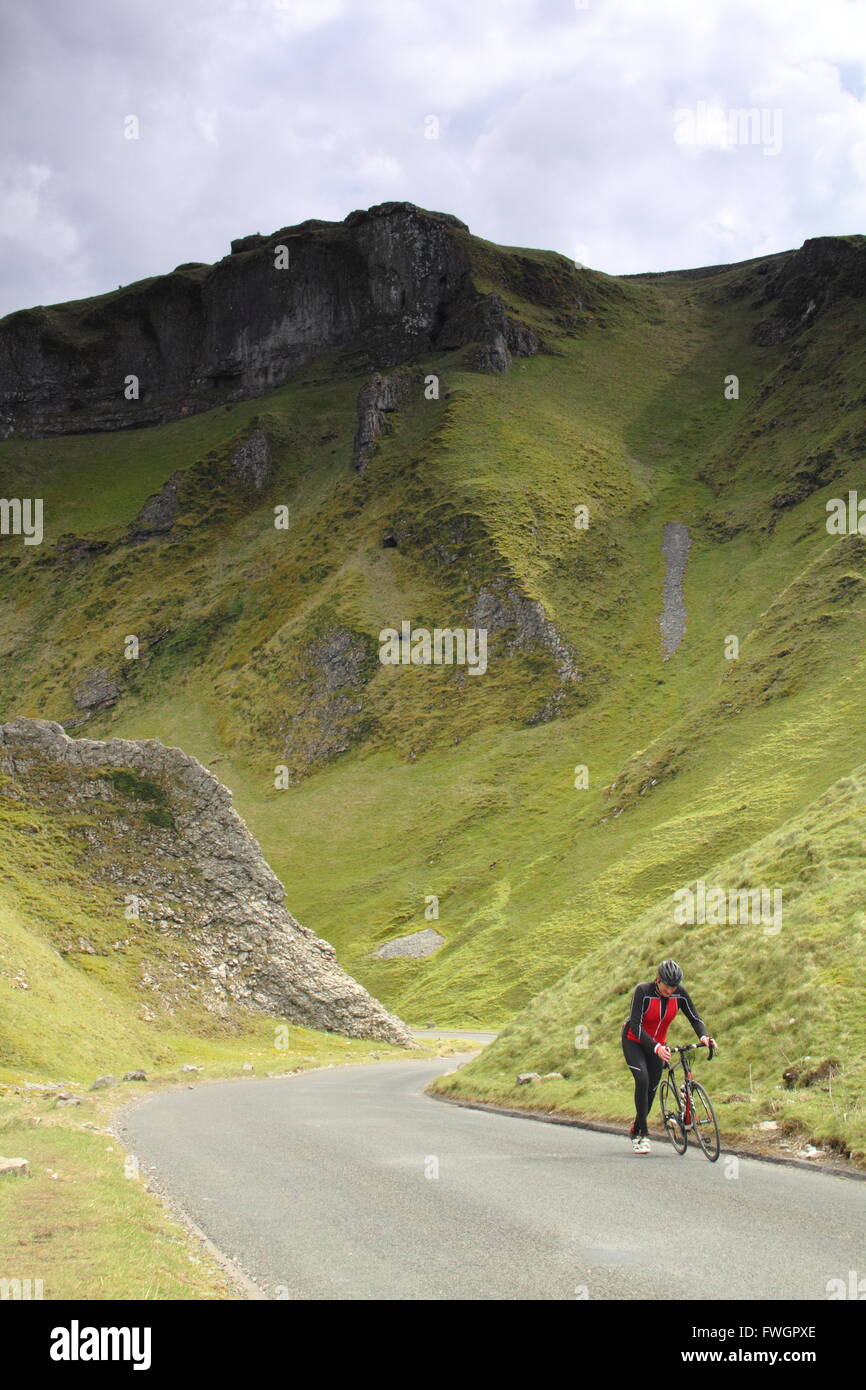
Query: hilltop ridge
{"points": [[382, 287], [386, 286]]}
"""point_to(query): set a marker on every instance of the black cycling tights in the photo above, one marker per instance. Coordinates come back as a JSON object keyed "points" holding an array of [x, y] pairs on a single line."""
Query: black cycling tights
{"points": [[647, 1069]]}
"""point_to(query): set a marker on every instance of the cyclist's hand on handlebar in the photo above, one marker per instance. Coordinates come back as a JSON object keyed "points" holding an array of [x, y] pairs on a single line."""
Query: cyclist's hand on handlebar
{"points": [[663, 1051], [710, 1044]]}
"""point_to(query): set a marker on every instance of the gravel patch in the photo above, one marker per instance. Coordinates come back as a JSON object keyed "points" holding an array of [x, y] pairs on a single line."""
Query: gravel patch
{"points": [[419, 943], [675, 548]]}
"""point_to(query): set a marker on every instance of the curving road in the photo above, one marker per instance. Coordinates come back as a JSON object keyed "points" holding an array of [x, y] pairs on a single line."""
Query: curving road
{"points": [[352, 1184]]}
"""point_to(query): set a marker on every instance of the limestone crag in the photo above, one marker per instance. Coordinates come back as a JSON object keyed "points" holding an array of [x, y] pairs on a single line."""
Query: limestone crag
{"points": [[496, 337], [198, 874], [381, 396], [384, 286], [96, 691], [512, 611]]}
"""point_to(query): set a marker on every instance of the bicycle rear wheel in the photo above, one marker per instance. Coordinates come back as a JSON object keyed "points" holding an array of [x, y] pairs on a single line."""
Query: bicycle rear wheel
{"points": [[669, 1100], [705, 1123]]}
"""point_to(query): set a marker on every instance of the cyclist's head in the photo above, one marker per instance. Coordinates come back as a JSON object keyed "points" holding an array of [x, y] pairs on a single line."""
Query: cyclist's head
{"points": [[670, 973]]}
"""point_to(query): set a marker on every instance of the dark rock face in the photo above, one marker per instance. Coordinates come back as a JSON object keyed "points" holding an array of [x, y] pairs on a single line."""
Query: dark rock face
{"points": [[376, 401], [77, 548], [809, 281], [498, 337], [159, 512], [382, 287], [96, 691]]}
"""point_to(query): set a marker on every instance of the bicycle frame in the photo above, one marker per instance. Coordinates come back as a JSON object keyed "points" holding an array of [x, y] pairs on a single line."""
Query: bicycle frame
{"points": [[685, 1089]]}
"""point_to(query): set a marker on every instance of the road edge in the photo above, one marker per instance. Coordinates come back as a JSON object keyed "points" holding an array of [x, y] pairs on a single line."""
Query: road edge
{"points": [[553, 1119]]}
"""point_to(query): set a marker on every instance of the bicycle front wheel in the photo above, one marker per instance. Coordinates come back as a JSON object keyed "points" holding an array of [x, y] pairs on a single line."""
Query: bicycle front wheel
{"points": [[705, 1123], [669, 1100]]}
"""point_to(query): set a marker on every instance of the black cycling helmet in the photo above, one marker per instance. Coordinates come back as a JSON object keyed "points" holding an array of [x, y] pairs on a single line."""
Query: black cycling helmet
{"points": [[670, 973]]}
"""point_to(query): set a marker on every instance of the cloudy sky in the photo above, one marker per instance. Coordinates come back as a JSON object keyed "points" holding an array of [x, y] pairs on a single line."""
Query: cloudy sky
{"points": [[607, 130]]}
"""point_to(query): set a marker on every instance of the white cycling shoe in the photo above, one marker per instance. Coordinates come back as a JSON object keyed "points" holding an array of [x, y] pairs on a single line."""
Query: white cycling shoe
{"points": [[641, 1145]]}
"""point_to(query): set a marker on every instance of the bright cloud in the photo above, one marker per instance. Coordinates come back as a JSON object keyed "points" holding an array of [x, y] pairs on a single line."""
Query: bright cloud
{"points": [[555, 124]]}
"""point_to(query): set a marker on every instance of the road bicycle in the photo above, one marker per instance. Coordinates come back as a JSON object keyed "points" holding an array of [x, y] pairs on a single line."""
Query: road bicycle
{"points": [[687, 1109]]}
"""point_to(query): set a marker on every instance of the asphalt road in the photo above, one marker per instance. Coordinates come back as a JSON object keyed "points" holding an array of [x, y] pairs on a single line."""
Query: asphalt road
{"points": [[352, 1184]]}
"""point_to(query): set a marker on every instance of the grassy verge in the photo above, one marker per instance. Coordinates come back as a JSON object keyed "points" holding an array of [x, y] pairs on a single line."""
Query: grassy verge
{"points": [[784, 1004]]}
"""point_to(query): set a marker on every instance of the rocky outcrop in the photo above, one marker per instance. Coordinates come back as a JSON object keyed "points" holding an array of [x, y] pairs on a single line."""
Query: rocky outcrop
{"points": [[385, 286], [74, 549], [527, 628], [381, 396], [527, 623], [335, 669], [14, 1167], [497, 337], [181, 851], [244, 474], [159, 512], [251, 460], [807, 282], [96, 691]]}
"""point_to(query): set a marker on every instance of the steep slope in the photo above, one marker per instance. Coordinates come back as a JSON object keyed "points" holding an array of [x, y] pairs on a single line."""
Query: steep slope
{"points": [[778, 981], [441, 490]]}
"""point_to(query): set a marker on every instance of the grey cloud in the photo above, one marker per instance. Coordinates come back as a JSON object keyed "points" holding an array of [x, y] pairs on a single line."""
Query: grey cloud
{"points": [[556, 127]]}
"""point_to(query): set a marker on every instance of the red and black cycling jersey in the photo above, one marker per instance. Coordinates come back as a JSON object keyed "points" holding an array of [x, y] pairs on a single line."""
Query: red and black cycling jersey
{"points": [[652, 1015]]}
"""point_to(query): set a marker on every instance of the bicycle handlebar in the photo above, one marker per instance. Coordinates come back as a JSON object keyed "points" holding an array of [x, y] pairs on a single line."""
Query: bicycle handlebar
{"points": [[692, 1047]]}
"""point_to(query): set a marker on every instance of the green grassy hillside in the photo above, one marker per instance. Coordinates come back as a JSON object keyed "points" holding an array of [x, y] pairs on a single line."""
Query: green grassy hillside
{"points": [[415, 781], [782, 997]]}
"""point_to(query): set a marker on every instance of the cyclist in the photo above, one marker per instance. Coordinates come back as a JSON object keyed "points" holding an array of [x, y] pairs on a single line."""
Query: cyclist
{"points": [[654, 1006]]}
